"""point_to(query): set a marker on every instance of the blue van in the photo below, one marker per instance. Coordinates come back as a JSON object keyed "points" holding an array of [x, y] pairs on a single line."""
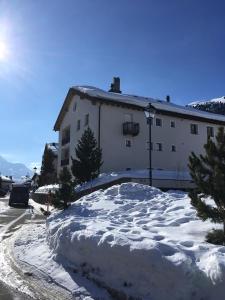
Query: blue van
{"points": [[19, 195]]}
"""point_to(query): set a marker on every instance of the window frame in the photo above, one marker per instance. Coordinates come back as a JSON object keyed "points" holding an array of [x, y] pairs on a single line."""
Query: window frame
{"points": [[209, 132], [174, 123], [86, 120], [78, 125], [160, 122], [74, 106], [128, 145], [159, 147], [173, 148], [194, 128]]}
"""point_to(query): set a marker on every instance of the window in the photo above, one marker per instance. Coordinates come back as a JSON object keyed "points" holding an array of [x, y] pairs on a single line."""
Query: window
{"points": [[158, 122], [194, 129], [210, 131], [78, 125], [75, 106], [65, 136], [128, 143], [158, 147], [173, 148], [86, 121], [172, 124]]}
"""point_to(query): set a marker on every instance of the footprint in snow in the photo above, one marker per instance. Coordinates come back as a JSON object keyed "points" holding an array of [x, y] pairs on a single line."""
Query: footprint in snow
{"points": [[158, 237], [166, 250], [187, 244]]}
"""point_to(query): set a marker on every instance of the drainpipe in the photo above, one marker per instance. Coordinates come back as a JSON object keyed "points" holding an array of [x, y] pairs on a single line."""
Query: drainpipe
{"points": [[99, 125], [99, 128]]}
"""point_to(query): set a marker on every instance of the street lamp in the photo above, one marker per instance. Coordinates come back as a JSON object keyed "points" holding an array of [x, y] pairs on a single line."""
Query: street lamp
{"points": [[35, 170], [150, 112]]}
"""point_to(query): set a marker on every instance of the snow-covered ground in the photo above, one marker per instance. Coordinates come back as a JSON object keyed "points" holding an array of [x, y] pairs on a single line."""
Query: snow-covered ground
{"points": [[132, 238], [4, 204]]}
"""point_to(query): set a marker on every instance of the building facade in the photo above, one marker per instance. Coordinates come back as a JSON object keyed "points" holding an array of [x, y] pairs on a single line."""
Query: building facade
{"points": [[121, 130]]}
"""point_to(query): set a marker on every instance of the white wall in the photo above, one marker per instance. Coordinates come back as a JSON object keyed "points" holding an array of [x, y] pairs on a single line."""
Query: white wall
{"points": [[116, 155]]}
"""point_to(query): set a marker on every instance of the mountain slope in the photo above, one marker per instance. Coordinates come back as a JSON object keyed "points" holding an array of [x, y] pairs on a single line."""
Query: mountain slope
{"points": [[216, 105], [16, 170]]}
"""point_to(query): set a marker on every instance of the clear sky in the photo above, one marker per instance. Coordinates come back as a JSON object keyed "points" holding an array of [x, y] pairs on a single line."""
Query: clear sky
{"points": [[156, 47]]}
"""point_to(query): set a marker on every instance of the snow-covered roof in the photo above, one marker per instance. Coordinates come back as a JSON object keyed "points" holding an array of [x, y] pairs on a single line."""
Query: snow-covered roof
{"points": [[136, 101], [54, 147], [215, 100], [6, 179]]}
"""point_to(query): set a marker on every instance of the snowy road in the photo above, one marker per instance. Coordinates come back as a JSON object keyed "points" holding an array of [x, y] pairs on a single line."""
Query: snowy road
{"points": [[10, 220], [15, 284]]}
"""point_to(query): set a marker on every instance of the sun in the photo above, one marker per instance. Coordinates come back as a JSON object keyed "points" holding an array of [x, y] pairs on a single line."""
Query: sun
{"points": [[4, 51]]}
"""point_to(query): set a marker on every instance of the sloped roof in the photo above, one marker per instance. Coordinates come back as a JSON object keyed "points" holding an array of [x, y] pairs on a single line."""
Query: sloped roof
{"points": [[138, 102], [6, 179]]}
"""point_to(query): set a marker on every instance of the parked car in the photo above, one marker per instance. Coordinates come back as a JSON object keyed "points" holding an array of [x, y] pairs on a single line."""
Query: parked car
{"points": [[2, 193], [19, 195]]}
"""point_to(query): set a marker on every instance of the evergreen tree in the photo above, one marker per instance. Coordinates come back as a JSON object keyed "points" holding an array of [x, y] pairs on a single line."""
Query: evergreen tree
{"points": [[89, 158], [208, 173], [65, 193], [48, 172]]}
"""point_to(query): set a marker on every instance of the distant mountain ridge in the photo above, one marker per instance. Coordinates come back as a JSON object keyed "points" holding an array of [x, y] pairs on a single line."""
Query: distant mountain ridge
{"points": [[16, 170], [216, 105]]}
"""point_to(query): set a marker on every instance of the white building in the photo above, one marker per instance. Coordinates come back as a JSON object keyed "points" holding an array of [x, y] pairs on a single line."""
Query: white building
{"points": [[119, 124], [6, 183]]}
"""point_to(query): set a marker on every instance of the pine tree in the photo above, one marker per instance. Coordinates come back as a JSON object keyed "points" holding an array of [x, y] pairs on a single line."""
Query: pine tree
{"points": [[65, 193], [48, 172], [89, 158], [208, 173]]}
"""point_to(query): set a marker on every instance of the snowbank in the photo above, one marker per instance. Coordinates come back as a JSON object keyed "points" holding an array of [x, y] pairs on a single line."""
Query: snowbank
{"points": [[4, 204], [45, 189], [141, 242], [34, 256]]}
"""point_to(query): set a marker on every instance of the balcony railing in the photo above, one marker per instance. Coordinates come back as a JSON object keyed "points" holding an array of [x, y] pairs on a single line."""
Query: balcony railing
{"points": [[65, 140], [131, 128], [65, 162]]}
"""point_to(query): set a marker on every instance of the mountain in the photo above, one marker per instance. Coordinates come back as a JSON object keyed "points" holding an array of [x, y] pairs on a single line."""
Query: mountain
{"points": [[16, 170], [216, 105]]}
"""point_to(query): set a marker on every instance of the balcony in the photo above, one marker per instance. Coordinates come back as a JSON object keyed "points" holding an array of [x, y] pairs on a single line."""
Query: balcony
{"points": [[65, 140], [65, 162], [131, 128]]}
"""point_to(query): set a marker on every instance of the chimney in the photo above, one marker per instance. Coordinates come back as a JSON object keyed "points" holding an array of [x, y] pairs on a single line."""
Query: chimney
{"points": [[115, 86], [168, 98]]}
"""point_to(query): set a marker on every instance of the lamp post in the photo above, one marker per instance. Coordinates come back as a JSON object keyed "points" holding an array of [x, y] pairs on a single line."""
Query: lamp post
{"points": [[150, 112]]}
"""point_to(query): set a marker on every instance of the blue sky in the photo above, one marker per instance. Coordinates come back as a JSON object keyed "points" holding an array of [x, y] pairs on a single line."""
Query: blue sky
{"points": [[161, 47]]}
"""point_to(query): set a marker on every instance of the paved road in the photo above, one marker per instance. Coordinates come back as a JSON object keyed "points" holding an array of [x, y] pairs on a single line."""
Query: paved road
{"points": [[10, 221]]}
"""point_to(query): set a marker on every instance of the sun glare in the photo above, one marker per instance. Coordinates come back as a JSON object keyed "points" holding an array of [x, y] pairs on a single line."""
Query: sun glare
{"points": [[4, 52]]}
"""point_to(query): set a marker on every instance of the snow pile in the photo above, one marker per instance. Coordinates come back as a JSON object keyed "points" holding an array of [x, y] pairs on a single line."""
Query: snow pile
{"points": [[34, 256], [141, 242], [45, 189]]}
